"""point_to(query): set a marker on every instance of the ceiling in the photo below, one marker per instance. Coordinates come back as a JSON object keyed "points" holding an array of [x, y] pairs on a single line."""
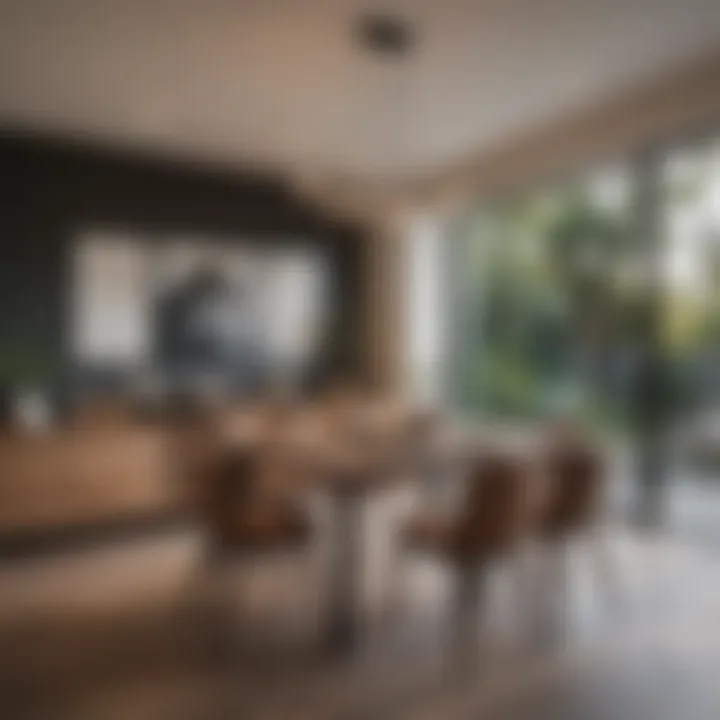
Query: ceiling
{"points": [[283, 83]]}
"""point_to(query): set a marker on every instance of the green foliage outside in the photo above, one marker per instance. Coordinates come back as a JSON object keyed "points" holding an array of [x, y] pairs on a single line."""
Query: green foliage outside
{"points": [[559, 303]]}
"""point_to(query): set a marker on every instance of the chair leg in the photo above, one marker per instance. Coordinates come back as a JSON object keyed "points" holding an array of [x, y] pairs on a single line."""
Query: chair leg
{"points": [[526, 603], [606, 571], [555, 590], [469, 594], [397, 581], [215, 617], [304, 615]]}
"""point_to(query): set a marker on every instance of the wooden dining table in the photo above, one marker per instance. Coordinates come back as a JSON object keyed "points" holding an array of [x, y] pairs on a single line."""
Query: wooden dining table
{"points": [[350, 472]]}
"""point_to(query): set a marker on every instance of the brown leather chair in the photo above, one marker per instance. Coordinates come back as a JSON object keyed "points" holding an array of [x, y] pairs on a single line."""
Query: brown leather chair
{"points": [[222, 485], [496, 515], [243, 524], [238, 515], [493, 517], [575, 479]]}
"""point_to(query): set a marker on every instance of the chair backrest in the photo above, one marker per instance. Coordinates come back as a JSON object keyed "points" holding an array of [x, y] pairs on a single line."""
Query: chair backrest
{"points": [[575, 477], [496, 507], [227, 486], [193, 446]]}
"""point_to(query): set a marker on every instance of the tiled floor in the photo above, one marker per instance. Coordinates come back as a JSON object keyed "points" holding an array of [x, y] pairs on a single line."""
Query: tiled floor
{"points": [[127, 632]]}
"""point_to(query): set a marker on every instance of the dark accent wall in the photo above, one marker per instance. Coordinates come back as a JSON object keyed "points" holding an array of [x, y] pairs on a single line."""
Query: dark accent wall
{"points": [[51, 189]]}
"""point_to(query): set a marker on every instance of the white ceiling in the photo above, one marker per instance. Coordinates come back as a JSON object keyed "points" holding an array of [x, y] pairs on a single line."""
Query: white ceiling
{"points": [[282, 82]]}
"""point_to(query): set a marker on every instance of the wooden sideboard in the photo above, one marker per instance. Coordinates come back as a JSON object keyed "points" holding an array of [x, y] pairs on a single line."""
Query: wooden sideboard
{"points": [[84, 475]]}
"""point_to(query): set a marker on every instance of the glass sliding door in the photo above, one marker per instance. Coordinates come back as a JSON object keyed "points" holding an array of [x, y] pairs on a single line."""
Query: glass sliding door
{"points": [[690, 215], [599, 300]]}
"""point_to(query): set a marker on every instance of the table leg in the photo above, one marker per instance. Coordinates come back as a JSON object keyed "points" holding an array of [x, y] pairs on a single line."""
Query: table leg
{"points": [[345, 574]]}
